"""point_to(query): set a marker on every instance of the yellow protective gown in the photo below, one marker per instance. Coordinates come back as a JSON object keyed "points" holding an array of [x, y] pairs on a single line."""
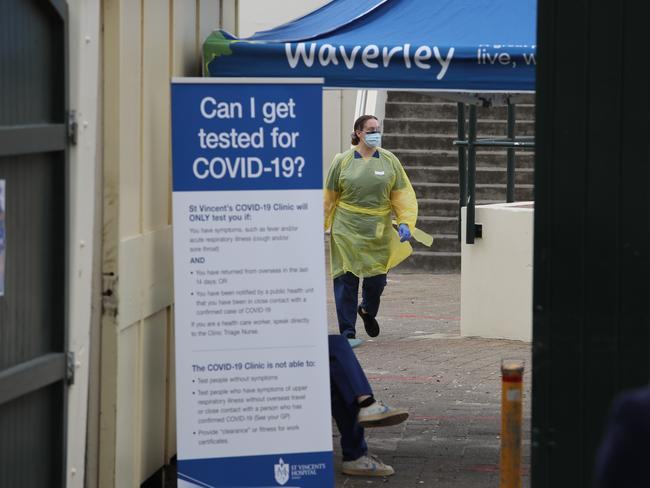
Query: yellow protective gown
{"points": [[360, 197]]}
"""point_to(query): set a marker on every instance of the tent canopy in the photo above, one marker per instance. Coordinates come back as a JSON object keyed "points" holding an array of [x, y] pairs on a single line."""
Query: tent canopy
{"points": [[445, 45]]}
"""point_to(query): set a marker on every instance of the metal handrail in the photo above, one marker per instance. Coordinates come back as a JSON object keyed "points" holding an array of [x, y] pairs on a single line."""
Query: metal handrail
{"points": [[470, 229], [467, 164], [462, 164], [518, 143], [510, 166]]}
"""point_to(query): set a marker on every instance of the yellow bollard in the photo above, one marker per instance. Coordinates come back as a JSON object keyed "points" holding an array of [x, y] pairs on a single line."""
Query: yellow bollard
{"points": [[512, 372]]}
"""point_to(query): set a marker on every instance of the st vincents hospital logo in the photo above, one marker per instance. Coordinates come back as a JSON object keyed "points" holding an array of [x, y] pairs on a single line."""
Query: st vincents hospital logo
{"points": [[282, 472]]}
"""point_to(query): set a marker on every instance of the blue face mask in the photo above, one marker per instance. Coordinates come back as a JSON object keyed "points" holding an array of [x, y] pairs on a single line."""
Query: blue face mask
{"points": [[373, 139]]}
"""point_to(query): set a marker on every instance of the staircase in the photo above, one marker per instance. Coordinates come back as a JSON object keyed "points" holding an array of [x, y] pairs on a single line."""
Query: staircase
{"points": [[420, 129]]}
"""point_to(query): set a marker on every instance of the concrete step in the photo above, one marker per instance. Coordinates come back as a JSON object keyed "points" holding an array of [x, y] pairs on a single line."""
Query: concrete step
{"points": [[484, 128], [437, 225], [447, 157], [413, 96], [442, 110], [420, 128], [449, 191], [445, 208], [419, 96], [438, 206], [442, 243], [449, 174], [431, 262], [419, 141]]}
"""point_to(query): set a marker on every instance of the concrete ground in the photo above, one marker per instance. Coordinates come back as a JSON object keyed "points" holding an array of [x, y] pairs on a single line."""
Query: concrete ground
{"points": [[451, 386]]}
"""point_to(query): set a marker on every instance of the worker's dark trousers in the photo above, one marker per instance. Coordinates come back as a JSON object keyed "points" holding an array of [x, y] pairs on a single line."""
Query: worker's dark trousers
{"points": [[346, 293], [347, 382]]}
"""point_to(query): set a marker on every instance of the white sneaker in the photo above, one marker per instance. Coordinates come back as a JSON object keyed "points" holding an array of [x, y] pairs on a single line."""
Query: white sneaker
{"points": [[367, 465], [380, 415]]}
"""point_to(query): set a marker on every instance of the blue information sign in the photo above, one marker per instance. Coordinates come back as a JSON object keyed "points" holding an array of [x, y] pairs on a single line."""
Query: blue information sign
{"points": [[246, 137], [252, 366]]}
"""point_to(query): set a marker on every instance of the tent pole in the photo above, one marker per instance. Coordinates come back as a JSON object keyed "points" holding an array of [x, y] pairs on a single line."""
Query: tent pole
{"points": [[471, 177], [462, 165], [510, 171]]}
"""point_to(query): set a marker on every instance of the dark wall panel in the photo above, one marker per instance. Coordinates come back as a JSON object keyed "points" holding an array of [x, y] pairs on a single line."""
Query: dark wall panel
{"points": [[31, 312], [32, 67], [33, 159], [591, 321], [30, 452]]}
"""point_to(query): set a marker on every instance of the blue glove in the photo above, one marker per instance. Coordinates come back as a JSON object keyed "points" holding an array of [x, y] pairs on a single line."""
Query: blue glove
{"points": [[404, 232]]}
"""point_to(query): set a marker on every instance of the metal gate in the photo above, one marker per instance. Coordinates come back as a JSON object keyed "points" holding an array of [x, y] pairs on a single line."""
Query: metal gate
{"points": [[33, 164]]}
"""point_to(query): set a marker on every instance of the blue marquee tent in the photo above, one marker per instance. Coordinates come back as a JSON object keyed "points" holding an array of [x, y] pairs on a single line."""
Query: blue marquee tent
{"points": [[444, 45]]}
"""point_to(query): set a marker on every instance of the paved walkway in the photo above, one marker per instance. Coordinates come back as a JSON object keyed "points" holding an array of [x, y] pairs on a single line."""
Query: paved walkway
{"points": [[450, 385]]}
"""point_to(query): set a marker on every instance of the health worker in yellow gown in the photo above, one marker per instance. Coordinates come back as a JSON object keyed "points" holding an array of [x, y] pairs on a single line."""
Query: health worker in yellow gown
{"points": [[366, 188]]}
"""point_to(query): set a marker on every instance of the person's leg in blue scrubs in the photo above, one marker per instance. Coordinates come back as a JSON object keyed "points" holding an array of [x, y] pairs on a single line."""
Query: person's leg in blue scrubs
{"points": [[348, 383], [346, 293], [352, 402], [371, 291]]}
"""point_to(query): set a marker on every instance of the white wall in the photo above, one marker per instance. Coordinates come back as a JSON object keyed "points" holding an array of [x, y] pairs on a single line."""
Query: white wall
{"points": [[338, 119], [145, 43], [497, 274], [338, 105], [85, 43], [257, 15]]}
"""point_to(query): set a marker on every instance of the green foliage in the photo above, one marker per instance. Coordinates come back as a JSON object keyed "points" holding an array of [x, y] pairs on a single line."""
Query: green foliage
{"points": [[215, 45]]}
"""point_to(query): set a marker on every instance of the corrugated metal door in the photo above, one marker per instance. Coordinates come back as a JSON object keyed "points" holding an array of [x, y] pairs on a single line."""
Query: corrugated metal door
{"points": [[33, 139]]}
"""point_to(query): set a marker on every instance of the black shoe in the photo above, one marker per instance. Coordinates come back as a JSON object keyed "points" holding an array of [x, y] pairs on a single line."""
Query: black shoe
{"points": [[369, 322]]}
